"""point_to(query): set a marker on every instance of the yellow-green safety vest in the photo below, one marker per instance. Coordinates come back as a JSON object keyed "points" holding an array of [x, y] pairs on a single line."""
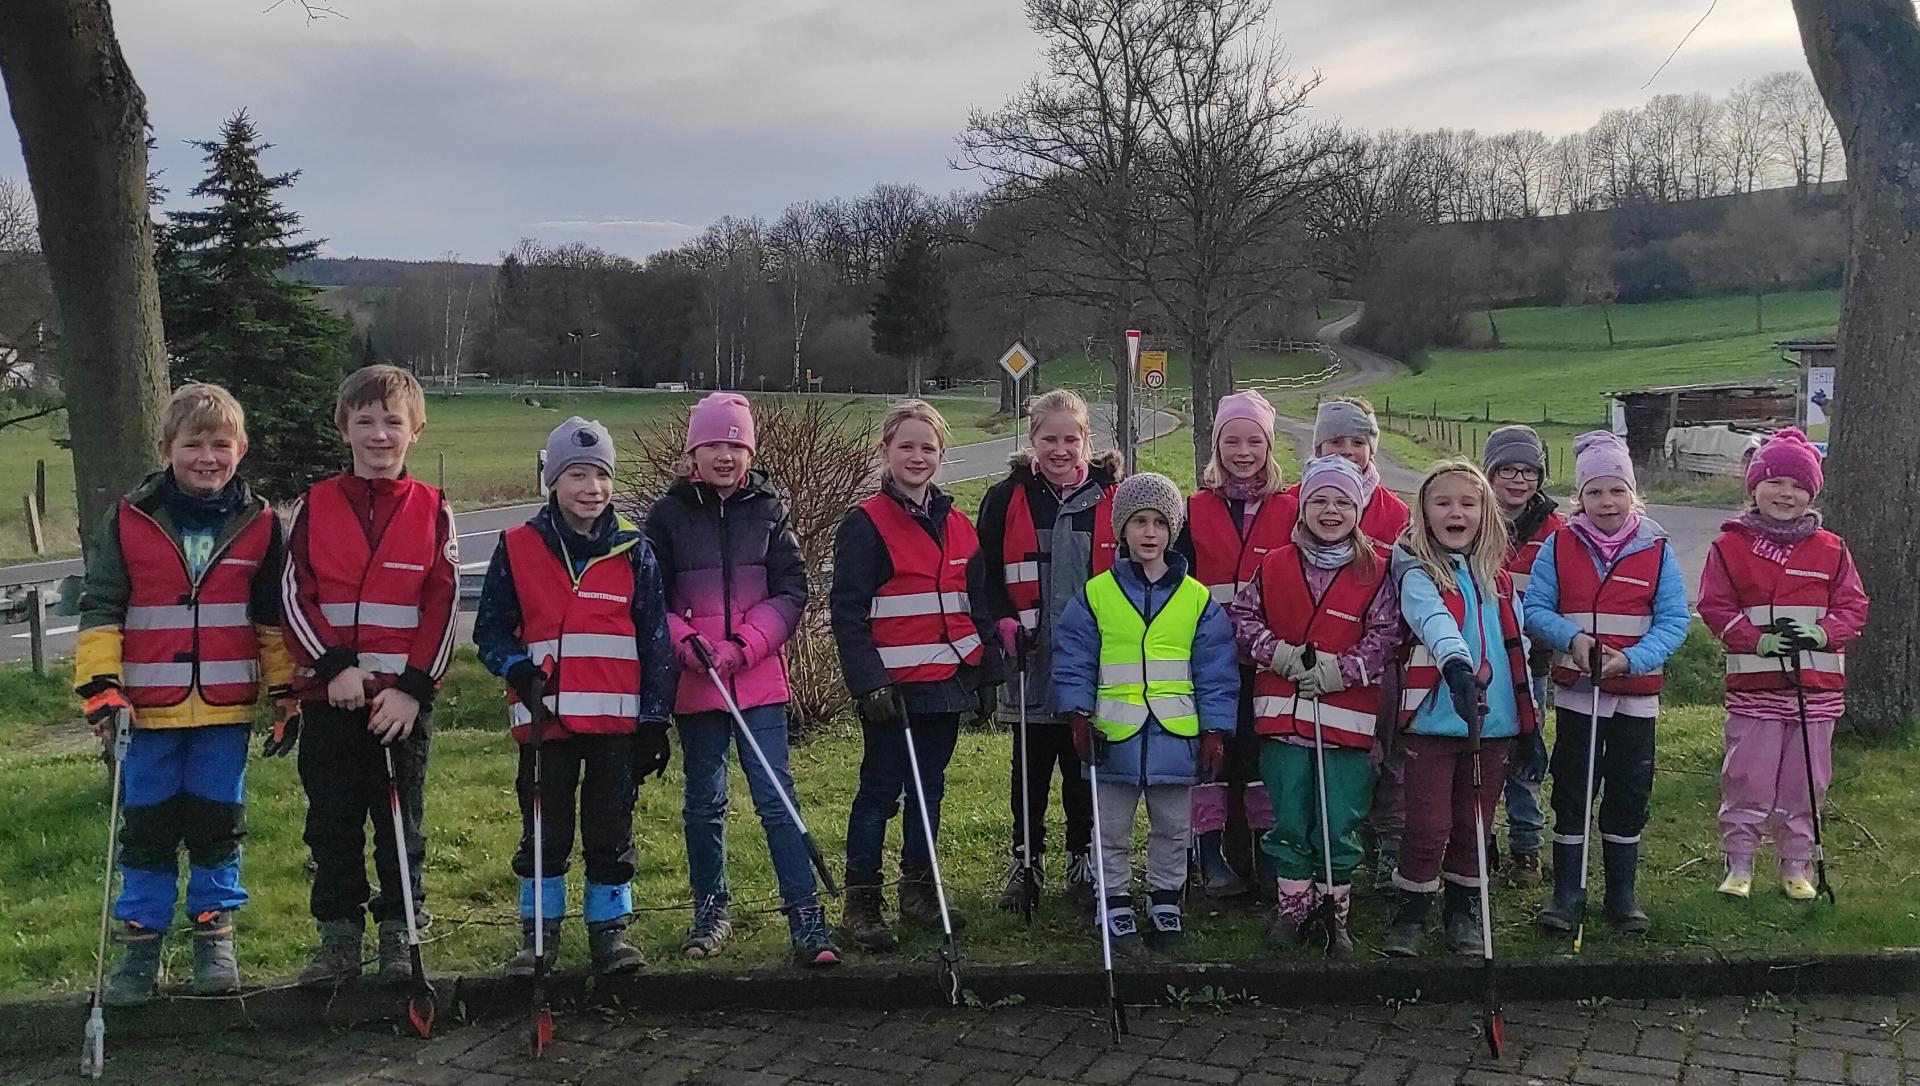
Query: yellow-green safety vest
{"points": [[1145, 670]]}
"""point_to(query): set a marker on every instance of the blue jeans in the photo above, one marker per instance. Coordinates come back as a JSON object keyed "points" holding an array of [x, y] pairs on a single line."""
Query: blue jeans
{"points": [[184, 786], [1526, 823], [704, 740], [885, 774]]}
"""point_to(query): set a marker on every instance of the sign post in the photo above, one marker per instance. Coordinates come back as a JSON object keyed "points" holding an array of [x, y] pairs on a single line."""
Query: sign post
{"points": [[1018, 363], [1130, 453]]}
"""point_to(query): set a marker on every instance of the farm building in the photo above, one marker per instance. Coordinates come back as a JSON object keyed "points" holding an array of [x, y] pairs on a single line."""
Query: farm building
{"points": [[1706, 428]]}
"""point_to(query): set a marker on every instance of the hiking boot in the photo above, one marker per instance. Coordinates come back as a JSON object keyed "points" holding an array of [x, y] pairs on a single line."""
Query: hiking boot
{"points": [[1217, 876], [1409, 928], [522, 964], [920, 903], [396, 955], [1524, 869], [807, 929], [337, 959], [1342, 944], [1739, 880], [1386, 861], [863, 920], [136, 977], [712, 926], [609, 950], [214, 970], [1623, 866], [1080, 879], [1569, 902], [1023, 885], [1290, 913], [1123, 932], [1460, 915], [1165, 929]]}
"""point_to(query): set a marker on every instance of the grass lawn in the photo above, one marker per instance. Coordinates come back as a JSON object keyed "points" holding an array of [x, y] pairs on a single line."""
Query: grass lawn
{"points": [[1655, 324]]}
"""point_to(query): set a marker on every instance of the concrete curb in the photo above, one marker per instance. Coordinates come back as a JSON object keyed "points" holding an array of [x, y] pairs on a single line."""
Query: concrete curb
{"points": [[55, 1024]]}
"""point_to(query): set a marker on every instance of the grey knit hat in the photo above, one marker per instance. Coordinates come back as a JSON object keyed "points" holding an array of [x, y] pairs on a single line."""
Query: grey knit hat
{"points": [[1148, 490], [577, 441], [1338, 418], [1513, 445]]}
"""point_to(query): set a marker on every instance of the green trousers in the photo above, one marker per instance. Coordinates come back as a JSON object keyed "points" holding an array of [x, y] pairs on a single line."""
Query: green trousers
{"points": [[1294, 840]]}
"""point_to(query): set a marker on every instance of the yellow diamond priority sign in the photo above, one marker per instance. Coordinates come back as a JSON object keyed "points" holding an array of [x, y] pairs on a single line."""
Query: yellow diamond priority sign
{"points": [[1016, 361]]}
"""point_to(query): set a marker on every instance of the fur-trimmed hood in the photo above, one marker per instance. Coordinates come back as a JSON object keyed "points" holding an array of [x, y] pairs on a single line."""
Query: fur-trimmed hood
{"points": [[1107, 461]]}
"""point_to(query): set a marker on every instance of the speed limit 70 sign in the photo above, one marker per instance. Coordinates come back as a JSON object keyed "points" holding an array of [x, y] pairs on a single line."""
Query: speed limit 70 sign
{"points": [[1153, 369]]}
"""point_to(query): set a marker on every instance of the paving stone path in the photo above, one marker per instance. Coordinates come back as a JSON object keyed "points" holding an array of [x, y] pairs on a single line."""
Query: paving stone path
{"points": [[1755, 1042]]}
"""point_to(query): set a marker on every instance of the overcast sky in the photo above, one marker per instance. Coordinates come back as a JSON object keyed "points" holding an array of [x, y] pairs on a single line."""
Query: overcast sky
{"points": [[433, 126]]}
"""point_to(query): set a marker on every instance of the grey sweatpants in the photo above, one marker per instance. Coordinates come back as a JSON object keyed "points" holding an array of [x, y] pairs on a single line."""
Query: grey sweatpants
{"points": [[1169, 822]]}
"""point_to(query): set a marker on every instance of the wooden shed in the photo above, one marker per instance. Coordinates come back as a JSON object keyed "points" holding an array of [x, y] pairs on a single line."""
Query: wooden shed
{"points": [[1643, 416]]}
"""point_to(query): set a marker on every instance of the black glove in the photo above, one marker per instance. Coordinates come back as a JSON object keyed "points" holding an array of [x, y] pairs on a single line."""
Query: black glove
{"points": [[652, 750], [1530, 757], [879, 706], [529, 682], [986, 702], [1464, 689], [281, 740]]}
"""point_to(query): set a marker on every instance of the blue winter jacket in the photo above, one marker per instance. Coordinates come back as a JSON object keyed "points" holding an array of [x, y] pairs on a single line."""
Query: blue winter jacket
{"points": [[1670, 614], [1433, 626], [1151, 755]]}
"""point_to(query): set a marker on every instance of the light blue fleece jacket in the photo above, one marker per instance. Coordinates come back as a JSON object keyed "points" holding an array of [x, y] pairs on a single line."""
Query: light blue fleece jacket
{"points": [[1433, 626]]}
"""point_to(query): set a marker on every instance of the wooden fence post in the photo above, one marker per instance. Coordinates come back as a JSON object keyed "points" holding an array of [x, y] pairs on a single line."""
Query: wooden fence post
{"points": [[37, 629], [36, 537]]}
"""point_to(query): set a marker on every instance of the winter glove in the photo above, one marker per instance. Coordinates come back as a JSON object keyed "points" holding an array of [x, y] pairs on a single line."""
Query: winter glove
{"points": [[286, 729], [1286, 659], [652, 750], [986, 702], [689, 658], [102, 707], [1530, 757], [1082, 729], [529, 683], [1014, 639], [1213, 755], [879, 706], [1323, 677], [729, 658], [1808, 636], [1463, 688], [1773, 644]]}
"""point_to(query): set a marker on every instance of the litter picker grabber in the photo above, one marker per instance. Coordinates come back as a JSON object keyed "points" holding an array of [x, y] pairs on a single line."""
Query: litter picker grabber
{"points": [[1116, 1011], [540, 1013], [1586, 811], [1029, 886], [1326, 910], [1795, 644], [93, 1046], [1494, 1027], [420, 998], [793, 811], [949, 956]]}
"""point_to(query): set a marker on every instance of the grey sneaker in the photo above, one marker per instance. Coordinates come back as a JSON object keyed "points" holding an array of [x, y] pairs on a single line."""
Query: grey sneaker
{"points": [[396, 960]]}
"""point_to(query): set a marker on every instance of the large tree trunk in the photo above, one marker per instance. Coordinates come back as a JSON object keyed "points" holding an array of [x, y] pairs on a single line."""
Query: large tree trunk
{"points": [[1865, 55], [82, 122]]}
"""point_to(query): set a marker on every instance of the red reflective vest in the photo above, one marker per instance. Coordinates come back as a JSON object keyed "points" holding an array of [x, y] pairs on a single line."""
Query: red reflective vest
{"points": [[921, 619], [1423, 672], [1799, 590], [1332, 626], [1020, 552], [372, 598], [580, 633], [182, 633], [1386, 517], [1616, 609], [1520, 556], [1223, 560]]}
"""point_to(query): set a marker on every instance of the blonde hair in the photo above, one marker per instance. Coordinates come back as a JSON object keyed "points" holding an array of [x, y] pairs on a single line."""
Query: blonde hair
{"points": [[1054, 402], [1273, 476], [389, 385], [914, 409], [200, 408], [1360, 402], [1487, 555]]}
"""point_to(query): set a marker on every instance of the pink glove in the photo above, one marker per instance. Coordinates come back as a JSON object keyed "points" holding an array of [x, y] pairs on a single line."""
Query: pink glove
{"points": [[1008, 630], [729, 659], [689, 659]]}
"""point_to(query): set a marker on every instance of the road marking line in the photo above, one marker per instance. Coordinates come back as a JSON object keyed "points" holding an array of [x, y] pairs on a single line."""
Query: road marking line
{"points": [[50, 633]]}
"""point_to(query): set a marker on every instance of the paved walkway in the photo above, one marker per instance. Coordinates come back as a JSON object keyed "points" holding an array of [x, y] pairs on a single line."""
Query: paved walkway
{"points": [[1757, 1042]]}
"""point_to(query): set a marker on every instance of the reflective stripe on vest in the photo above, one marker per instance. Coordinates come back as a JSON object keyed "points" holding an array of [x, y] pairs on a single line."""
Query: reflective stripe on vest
{"points": [[580, 632], [1022, 557], [1333, 624], [1134, 653], [1223, 559], [1767, 591], [371, 597], [183, 634], [921, 618], [1615, 607]]}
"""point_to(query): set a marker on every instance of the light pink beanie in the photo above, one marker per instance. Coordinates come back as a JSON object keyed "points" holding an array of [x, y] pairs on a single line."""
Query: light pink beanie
{"points": [[722, 416], [1598, 454], [1249, 405]]}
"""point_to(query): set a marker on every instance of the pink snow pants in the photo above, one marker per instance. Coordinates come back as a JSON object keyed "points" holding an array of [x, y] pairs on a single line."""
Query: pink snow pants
{"points": [[1763, 785]]}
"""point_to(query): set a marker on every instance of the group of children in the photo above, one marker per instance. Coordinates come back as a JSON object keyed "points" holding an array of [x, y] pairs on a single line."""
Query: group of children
{"points": [[1285, 666]]}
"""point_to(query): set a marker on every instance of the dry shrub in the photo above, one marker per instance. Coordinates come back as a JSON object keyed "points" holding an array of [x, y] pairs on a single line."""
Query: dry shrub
{"points": [[822, 458]]}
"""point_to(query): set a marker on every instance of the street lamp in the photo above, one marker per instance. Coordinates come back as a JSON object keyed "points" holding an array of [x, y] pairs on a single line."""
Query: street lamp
{"points": [[581, 338]]}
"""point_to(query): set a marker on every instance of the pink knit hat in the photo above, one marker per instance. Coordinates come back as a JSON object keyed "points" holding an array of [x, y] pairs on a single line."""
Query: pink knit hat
{"points": [[722, 416], [1249, 405], [1787, 455], [1598, 454], [1336, 472]]}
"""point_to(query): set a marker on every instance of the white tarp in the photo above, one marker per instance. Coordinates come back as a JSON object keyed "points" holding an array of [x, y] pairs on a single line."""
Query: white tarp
{"points": [[1711, 450]]}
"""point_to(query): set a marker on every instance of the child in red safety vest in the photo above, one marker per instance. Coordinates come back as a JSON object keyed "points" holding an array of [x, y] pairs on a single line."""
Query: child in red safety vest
{"points": [[1047, 527], [1605, 588], [179, 626], [1321, 622], [914, 658], [370, 591], [1776, 585], [1515, 463], [1465, 664], [1241, 513], [572, 616]]}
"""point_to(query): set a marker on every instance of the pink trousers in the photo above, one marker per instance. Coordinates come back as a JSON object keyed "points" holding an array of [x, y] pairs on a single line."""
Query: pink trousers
{"points": [[1763, 785]]}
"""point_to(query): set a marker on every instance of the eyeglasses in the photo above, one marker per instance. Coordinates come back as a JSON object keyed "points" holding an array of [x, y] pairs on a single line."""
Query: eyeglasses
{"points": [[1517, 471]]}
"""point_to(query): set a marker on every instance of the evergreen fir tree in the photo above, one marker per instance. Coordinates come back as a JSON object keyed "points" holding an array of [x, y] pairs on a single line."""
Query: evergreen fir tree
{"points": [[909, 315], [233, 318]]}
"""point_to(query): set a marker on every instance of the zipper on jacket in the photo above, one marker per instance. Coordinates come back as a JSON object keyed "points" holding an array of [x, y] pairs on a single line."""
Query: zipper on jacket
{"points": [[726, 583], [1146, 628]]}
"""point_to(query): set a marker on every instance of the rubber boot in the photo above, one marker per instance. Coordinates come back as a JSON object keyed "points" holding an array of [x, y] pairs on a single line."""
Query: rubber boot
{"points": [[1460, 915], [1342, 945], [214, 970], [1217, 875], [919, 904], [1020, 882], [136, 977], [522, 963], [396, 958], [1294, 902], [337, 959], [1623, 910], [1166, 928], [1409, 928], [1796, 881], [807, 930], [1739, 880], [1563, 912], [609, 950], [863, 920]]}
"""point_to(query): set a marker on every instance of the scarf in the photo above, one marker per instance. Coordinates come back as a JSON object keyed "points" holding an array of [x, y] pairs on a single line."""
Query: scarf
{"points": [[1322, 555], [581, 546], [1243, 490], [193, 513], [1609, 546], [1369, 482], [1523, 522], [1774, 539]]}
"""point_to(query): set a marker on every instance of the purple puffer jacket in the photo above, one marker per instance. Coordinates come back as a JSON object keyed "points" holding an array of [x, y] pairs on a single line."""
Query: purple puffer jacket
{"points": [[731, 569]]}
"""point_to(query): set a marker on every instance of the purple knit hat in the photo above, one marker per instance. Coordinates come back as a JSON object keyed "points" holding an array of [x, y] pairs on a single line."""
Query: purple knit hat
{"points": [[1337, 472], [1598, 454], [1787, 455], [722, 416]]}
